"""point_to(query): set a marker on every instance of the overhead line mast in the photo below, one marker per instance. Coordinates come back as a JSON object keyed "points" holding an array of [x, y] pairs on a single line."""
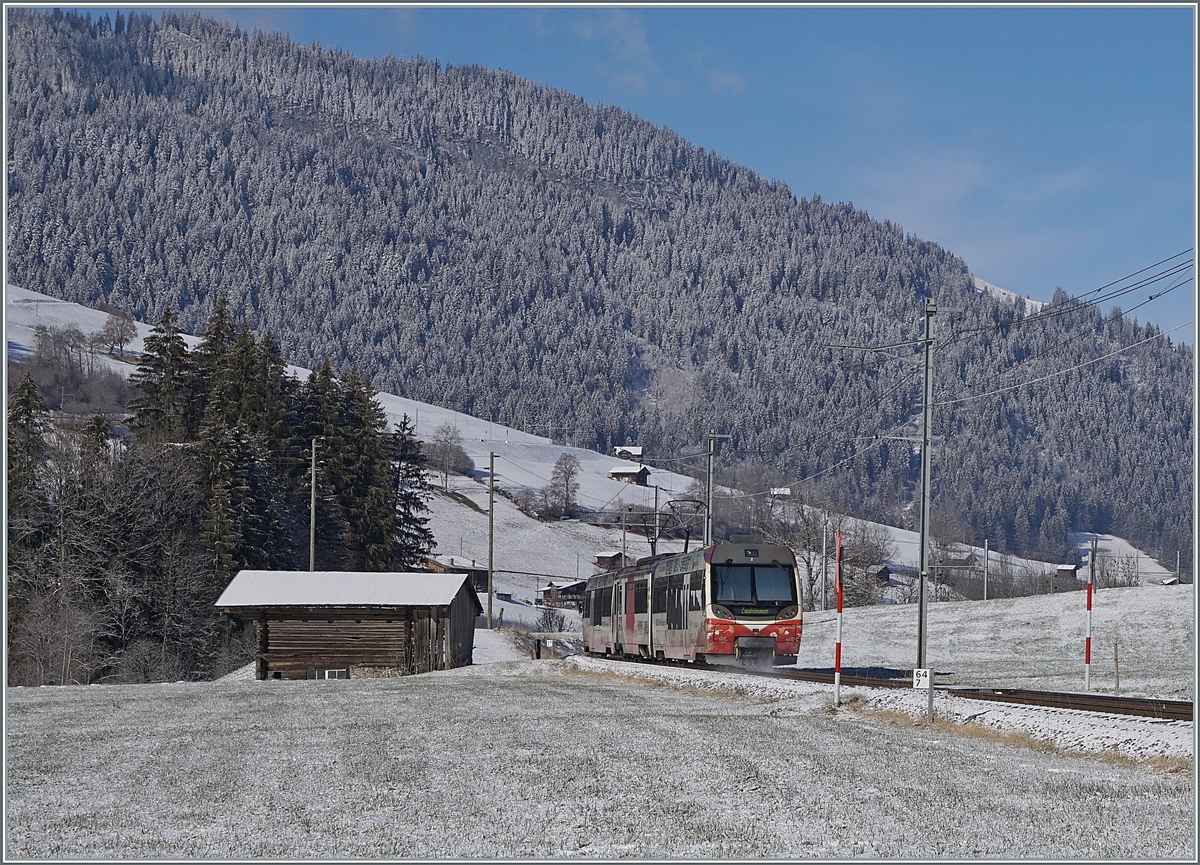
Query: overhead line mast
{"points": [[926, 440]]}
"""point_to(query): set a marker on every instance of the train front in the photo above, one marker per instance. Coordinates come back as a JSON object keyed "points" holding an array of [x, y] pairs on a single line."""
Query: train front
{"points": [[753, 615]]}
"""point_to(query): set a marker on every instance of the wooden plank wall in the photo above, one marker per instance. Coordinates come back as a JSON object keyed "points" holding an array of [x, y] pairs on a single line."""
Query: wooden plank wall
{"points": [[413, 640]]}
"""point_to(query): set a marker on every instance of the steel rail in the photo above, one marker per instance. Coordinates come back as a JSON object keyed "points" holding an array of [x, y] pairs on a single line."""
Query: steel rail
{"points": [[1166, 710]]}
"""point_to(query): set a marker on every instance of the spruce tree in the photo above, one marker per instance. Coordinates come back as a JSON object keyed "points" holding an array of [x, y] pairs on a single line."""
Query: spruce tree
{"points": [[212, 361], [365, 488], [414, 540], [28, 424], [166, 384]]}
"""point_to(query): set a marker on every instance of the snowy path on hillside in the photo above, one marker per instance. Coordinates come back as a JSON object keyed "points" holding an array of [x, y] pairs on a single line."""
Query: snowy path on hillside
{"points": [[494, 646]]}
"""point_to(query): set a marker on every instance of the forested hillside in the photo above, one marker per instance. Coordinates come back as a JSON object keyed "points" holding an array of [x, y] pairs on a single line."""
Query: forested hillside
{"points": [[480, 241]]}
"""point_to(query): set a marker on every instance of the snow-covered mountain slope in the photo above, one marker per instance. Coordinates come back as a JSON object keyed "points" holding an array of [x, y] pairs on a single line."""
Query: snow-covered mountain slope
{"points": [[528, 552], [982, 287], [25, 311]]}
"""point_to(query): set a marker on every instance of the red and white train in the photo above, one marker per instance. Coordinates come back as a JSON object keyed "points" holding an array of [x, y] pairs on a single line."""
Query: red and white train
{"points": [[729, 603]]}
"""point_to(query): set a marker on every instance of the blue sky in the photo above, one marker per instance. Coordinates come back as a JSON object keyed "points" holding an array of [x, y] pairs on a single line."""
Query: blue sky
{"points": [[1046, 146]]}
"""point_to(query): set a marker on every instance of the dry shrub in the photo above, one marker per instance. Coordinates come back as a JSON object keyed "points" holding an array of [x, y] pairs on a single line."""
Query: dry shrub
{"points": [[1022, 739]]}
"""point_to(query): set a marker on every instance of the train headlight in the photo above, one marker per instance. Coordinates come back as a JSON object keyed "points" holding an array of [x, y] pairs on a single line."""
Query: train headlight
{"points": [[721, 612], [789, 612]]}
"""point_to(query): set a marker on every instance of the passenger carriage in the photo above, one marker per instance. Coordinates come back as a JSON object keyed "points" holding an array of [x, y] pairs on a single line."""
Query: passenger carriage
{"points": [[729, 603]]}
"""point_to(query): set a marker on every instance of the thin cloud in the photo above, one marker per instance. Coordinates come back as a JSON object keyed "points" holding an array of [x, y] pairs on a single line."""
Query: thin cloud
{"points": [[722, 83], [630, 62]]}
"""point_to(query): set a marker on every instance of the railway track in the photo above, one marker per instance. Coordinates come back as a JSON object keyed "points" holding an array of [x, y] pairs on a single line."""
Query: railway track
{"points": [[1166, 710]]}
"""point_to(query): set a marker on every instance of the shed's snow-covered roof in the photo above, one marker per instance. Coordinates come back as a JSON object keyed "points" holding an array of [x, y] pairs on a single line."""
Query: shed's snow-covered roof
{"points": [[339, 588]]}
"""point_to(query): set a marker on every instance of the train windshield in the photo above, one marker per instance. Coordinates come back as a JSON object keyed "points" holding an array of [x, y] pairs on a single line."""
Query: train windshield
{"points": [[765, 587]]}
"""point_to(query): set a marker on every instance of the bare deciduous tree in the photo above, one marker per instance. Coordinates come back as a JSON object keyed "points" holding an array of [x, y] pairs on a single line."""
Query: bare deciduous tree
{"points": [[564, 484], [118, 330], [445, 452]]}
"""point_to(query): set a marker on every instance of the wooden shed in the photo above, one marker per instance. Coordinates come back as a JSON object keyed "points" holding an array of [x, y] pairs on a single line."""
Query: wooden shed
{"points": [[640, 477], [344, 624]]}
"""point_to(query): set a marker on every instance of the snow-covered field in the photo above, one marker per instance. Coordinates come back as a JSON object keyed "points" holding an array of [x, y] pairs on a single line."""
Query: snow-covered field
{"points": [[996, 291], [1034, 642], [579, 758]]}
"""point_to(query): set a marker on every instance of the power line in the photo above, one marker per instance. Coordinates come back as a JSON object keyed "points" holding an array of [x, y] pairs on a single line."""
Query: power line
{"points": [[1089, 331], [1065, 371], [1077, 304]]}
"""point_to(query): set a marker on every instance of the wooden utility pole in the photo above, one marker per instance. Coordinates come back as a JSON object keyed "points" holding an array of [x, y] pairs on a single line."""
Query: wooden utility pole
{"points": [[491, 529], [986, 559], [1087, 645], [1116, 669], [312, 513], [824, 559]]}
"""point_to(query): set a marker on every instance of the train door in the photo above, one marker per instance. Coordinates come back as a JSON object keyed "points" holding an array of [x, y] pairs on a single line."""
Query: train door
{"points": [[630, 638], [614, 635], [676, 613], [695, 614]]}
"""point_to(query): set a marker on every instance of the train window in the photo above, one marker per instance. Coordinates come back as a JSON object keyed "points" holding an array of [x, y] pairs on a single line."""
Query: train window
{"points": [[696, 591], [659, 595], [587, 606], [639, 597], [731, 584], [753, 585], [773, 584]]}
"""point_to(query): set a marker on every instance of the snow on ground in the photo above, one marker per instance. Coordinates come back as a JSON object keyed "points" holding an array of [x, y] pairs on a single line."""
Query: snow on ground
{"points": [[1065, 729], [1033, 642], [494, 646], [25, 310], [574, 758], [528, 552], [1109, 546], [526, 461]]}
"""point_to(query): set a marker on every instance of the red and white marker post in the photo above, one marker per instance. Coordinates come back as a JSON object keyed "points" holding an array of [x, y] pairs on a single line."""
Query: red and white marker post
{"points": [[837, 648], [1087, 641]]}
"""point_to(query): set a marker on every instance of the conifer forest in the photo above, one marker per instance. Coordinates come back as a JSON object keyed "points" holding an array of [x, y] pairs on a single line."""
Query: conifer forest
{"points": [[465, 237], [119, 547]]}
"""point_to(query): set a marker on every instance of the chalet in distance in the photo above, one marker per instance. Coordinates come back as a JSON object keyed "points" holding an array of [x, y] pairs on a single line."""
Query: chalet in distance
{"points": [[564, 593], [342, 624]]}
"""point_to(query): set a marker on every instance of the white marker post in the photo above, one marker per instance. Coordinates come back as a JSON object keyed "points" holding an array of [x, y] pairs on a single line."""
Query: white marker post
{"points": [[837, 649]]}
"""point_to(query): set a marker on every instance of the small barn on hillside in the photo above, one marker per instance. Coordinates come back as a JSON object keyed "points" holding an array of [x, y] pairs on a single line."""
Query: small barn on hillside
{"points": [[448, 564], [640, 477], [346, 624]]}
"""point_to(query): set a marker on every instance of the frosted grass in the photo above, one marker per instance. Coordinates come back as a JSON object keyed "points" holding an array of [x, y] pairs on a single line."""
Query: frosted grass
{"points": [[550, 759]]}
